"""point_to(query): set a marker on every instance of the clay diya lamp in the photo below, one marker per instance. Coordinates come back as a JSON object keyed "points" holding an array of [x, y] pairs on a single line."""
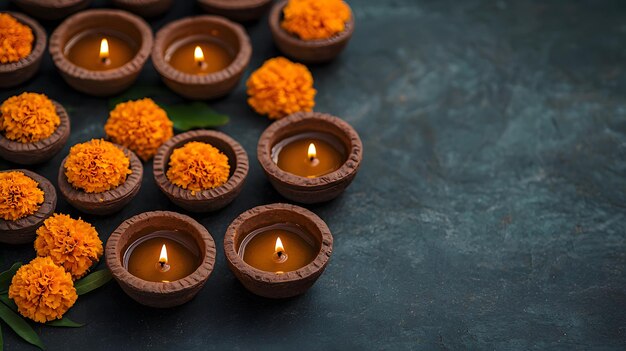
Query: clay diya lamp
{"points": [[51, 9], [201, 57], [39, 151], [236, 10], [144, 8], [101, 52], [210, 199], [307, 51], [161, 259], [106, 202], [310, 157], [23, 230], [278, 250], [15, 73]]}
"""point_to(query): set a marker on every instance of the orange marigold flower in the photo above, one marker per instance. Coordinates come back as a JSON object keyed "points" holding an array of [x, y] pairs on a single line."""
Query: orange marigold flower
{"points": [[71, 243], [42, 290], [141, 126], [28, 118], [96, 166], [315, 19], [16, 39], [280, 88], [20, 196], [198, 166]]}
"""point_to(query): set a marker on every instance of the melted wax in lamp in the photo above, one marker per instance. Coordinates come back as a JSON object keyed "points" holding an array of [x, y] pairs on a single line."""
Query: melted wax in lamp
{"points": [[309, 155], [198, 55], [278, 248], [100, 52], [160, 258]]}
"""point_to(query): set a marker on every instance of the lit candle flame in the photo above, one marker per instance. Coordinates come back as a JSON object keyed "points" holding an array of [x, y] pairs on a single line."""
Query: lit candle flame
{"points": [[312, 152], [198, 55], [163, 257], [280, 255], [104, 49], [278, 248]]}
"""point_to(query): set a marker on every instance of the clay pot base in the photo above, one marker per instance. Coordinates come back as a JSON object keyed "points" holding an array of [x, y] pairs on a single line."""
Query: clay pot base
{"points": [[51, 9], [156, 294], [16, 73], [206, 200], [240, 11], [208, 86], [101, 83], [106, 202], [23, 230], [144, 8], [41, 151], [310, 190], [307, 51], [270, 284]]}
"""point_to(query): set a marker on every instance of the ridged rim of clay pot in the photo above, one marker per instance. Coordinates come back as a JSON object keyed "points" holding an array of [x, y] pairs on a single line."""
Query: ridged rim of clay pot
{"points": [[144, 8], [22, 231], [235, 5], [239, 64], [147, 289], [234, 183], [38, 48], [41, 150], [91, 202], [276, 14], [233, 238], [274, 133], [51, 9], [52, 4], [132, 67]]}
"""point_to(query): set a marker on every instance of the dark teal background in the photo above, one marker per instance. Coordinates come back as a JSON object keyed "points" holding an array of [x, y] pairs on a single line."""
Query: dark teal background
{"points": [[489, 212]]}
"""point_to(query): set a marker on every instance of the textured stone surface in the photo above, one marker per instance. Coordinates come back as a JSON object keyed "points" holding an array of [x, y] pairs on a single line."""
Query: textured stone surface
{"points": [[489, 212]]}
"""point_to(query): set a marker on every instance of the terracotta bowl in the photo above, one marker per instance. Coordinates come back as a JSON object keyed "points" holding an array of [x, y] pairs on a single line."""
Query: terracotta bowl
{"points": [[208, 86], [16, 73], [23, 230], [270, 284], [157, 294], [107, 202], [307, 51], [109, 82], [310, 190], [51, 9], [144, 8], [240, 10], [206, 200], [41, 151]]}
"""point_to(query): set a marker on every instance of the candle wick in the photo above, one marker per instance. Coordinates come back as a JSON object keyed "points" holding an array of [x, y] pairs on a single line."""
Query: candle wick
{"points": [[280, 254], [106, 61]]}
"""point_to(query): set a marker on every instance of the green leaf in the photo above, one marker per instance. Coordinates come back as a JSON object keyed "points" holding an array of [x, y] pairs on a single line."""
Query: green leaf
{"points": [[1, 340], [7, 276], [135, 93], [64, 322], [92, 281], [19, 325], [8, 302], [194, 115]]}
